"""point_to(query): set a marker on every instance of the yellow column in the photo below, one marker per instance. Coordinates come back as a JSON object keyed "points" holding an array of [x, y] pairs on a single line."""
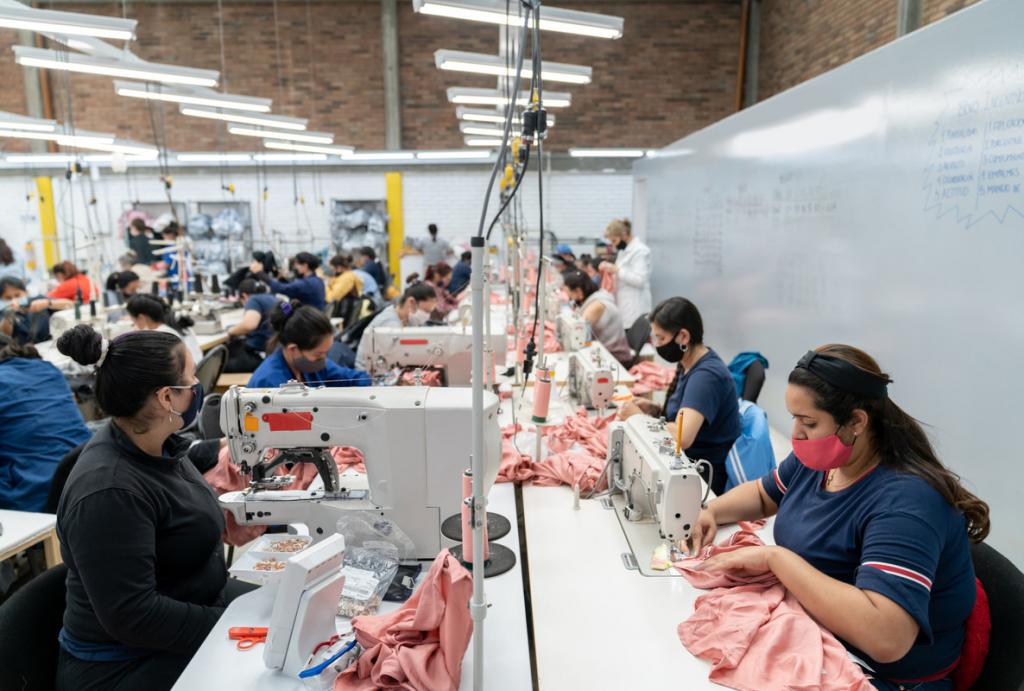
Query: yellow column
{"points": [[48, 221], [396, 231]]}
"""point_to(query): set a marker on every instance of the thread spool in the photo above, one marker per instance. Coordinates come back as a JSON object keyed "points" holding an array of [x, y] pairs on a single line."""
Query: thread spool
{"points": [[467, 513], [542, 395]]}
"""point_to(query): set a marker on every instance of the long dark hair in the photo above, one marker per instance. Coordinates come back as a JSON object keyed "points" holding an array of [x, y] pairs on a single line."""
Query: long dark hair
{"points": [[304, 326], [67, 268], [577, 280], [436, 271], [12, 349], [899, 439], [137, 364], [679, 313], [158, 310], [6, 253]]}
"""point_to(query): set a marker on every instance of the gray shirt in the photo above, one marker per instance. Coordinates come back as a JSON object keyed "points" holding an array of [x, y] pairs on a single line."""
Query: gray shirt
{"points": [[389, 317], [608, 329], [434, 250]]}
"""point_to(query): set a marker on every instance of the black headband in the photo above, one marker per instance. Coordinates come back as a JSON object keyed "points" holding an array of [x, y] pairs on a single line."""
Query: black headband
{"points": [[844, 375]]}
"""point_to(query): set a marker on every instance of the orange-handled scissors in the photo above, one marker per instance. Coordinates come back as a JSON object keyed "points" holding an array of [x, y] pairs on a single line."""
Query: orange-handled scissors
{"points": [[247, 636]]}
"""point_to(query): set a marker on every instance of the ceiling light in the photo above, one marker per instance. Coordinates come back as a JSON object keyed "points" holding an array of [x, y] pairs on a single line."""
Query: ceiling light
{"points": [[218, 158], [279, 121], [457, 154], [88, 64], [481, 130], [465, 95], [333, 150], [155, 92], [606, 153], [491, 116], [551, 19], [481, 63], [380, 156], [60, 137], [39, 158], [471, 141], [67, 23], [13, 121], [128, 148], [279, 158], [310, 137]]}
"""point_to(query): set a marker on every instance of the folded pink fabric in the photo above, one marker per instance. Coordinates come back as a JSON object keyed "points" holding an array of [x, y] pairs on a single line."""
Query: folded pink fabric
{"points": [[651, 377], [420, 646], [226, 477], [757, 636]]}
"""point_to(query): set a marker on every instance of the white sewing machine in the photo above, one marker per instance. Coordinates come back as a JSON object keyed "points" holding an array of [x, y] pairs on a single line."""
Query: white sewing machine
{"points": [[592, 377], [449, 348], [205, 312], [572, 330], [416, 442], [652, 485], [64, 320]]}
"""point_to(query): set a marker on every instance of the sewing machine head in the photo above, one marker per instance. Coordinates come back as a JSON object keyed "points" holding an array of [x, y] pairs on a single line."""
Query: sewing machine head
{"points": [[591, 379], [656, 483], [65, 319], [572, 331], [445, 347], [415, 442]]}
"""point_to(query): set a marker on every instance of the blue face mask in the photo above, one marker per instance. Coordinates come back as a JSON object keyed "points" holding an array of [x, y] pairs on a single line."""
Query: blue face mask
{"points": [[189, 414]]}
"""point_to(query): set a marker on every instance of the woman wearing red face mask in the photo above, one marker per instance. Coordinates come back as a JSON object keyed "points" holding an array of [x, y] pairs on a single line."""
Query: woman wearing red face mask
{"points": [[872, 531]]}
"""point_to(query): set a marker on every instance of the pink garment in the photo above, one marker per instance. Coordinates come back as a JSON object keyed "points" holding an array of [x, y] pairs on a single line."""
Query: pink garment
{"points": [[427, 377], [226, 477], [551, 344], [651, 377], [608, 281], [420, 646], [757, 636]]}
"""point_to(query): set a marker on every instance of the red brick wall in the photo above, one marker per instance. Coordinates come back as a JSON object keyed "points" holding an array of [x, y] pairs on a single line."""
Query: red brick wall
{"points": [[801, 39], [672, 73]]}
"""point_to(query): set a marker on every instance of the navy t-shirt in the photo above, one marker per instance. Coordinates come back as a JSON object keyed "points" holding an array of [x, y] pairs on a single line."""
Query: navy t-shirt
{"points": [[892, 533], [708, 388], [264, 303]]}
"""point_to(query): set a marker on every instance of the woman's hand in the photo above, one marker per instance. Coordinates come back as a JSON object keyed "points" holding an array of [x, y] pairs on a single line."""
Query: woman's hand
{"points": [[703, 533], [747, 561], [38, 305], [608, 267], [628, 410]]}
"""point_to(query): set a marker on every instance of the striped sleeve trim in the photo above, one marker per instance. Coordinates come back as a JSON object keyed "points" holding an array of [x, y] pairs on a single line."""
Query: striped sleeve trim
{"points": [[778, 481], [901, 572]]}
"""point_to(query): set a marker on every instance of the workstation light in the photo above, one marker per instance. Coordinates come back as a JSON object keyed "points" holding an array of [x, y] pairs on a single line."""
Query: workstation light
{"points": [[213, 99], [66, 23], [29, 56], [551, 18], [497, 66], [13, 121], [278, 121]]}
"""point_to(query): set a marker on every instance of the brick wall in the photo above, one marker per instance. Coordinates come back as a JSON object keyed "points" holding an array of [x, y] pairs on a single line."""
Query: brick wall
{"points": [[672, 73], [801, 39]]}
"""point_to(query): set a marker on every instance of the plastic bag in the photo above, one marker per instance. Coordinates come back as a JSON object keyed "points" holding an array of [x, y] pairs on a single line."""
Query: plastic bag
{"points": [[368, 575], [371, 530]]}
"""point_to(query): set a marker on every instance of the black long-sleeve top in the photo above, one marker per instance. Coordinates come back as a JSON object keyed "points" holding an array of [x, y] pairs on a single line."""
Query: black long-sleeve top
{"points": [[141, 536]]}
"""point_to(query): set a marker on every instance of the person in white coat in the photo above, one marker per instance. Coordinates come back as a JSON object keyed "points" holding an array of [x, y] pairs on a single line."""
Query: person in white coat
{"points": [[631, 271]]}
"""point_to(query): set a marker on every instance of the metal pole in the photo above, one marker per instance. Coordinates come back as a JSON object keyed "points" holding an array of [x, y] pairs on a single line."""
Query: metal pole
{"points": [[478, 604], [542, 288]]}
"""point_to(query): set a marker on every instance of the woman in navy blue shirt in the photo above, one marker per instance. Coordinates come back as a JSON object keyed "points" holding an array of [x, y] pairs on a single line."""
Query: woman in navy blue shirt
{"points": [[703, 389], [303, 338], [872, 531]]}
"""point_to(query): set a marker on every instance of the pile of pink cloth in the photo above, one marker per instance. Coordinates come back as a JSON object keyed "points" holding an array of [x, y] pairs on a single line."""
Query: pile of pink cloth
{"points": [[651, 377], [551, 344], [419, 646], [425, 377], [581, 467], [226, 477], [757, 636]]}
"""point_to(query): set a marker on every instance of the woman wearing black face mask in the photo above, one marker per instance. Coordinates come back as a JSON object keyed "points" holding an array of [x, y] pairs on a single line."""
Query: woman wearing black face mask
{"points": [[703, 388], [303, 336], [631, 271], [139, 528]]}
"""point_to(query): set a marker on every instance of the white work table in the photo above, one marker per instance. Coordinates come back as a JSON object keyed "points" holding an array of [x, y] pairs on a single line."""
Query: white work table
{"points": [[22, 529], [219, 665]]}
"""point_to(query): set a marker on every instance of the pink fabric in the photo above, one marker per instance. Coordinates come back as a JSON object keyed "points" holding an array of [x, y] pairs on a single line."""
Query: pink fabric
{"points": [[608, 281], [420, 646], [551, 344], [757, 636], [651, 377], [226, 477], [427, 377]]}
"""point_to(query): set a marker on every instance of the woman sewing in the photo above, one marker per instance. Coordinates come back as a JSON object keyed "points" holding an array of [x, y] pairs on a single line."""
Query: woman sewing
{"points": [[597, 307], [872, 532]]}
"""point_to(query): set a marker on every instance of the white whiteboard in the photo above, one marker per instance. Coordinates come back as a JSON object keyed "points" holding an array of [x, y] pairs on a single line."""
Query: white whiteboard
{"points": [[880, 205]]}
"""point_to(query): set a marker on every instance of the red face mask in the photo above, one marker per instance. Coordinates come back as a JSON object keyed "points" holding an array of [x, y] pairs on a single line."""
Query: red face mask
{"points": [[823, 454]]}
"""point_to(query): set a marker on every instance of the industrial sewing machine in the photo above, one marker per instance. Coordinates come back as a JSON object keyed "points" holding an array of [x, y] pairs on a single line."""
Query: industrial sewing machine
{"points": [[652, 486], [415, 441], [448, 348], [572, 330], [96, 316], [592, 376]]}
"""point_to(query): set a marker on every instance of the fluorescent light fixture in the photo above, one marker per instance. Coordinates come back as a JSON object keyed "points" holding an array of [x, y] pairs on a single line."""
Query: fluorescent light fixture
{"points": [[481, 63], [332, 150], [551, 18], [482, 130], [60, 137], [13, 121], [76, 44], [380, 156], [213, 158], [67, 23], [286, 158], [88, 64], [470, 96], [472, 141], [606, 153], [39, 158], [491, 116], [308, 137], [143, 151], [279, 121], [451, 155], [213, 99]]}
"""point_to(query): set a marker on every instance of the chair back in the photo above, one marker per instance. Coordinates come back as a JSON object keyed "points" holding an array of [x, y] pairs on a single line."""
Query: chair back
{"points": [[210, 368], [1004, 585], [29, 623]]}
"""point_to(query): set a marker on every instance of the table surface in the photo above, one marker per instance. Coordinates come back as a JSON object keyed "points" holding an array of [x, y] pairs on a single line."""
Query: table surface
{"points": [[218, 665], [23, 527]]}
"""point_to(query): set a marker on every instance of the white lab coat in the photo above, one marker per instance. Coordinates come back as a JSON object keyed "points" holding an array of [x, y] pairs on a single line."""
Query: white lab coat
{"points": [[633, 281]]}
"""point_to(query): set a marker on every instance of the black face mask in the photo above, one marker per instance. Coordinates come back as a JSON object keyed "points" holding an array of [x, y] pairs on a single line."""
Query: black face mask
{"points": [[621, 245], [671, 351]]}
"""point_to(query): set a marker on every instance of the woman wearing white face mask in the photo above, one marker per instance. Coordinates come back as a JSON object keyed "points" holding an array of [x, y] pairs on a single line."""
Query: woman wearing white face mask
{"points": [[413, 309]]}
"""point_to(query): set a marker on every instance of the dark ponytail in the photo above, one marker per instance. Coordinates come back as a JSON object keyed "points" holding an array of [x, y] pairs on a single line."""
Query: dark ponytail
{"points": [[135, 365], [158, 310], [679, 313], [899, 439], [436, 271], [577, 280], [304, 326], [12, 349]]}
